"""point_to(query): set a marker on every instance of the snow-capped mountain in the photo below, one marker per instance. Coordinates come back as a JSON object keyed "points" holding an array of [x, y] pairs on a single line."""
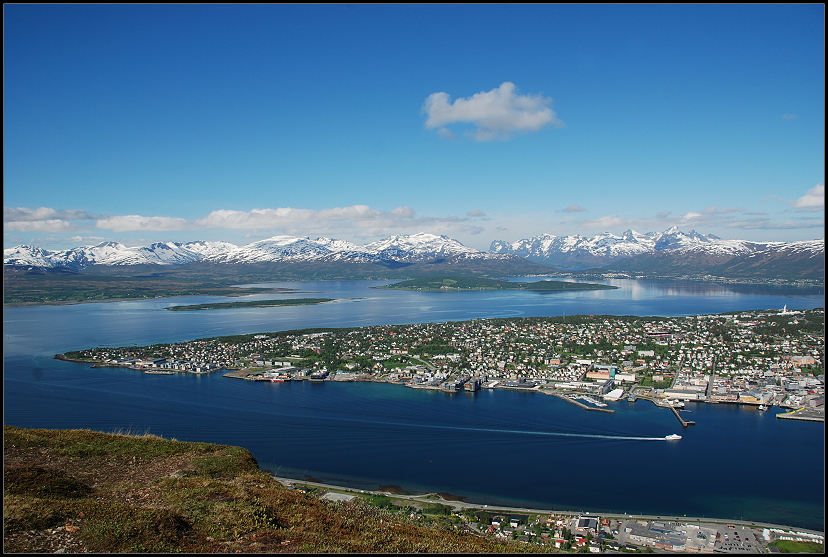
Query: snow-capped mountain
{"points": [[668, 253], [416, 247], [420, 246], [673, 252], [113, 253], [603, 249]]}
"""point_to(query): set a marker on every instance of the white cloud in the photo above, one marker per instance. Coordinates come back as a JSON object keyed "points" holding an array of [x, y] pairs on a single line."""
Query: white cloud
{"points": [[767, 224], [716, 211], [357, 221], [813, 200], [496, 114], [16, 214], [126, 223], [403, 212], [475, 213], [289, 216], [606, 223], [49, 225], [573, 209]]}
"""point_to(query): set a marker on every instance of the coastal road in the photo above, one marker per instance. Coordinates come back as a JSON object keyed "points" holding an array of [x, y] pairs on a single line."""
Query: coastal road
{"points": [[459, 505]]}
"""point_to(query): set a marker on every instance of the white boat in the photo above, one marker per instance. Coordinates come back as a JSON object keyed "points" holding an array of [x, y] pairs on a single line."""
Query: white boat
{"points": [[673, 437], [762, 407]]}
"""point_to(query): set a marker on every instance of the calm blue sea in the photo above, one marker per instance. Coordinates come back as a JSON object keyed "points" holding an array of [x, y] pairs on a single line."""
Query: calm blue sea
{"points": [[491, 447]]}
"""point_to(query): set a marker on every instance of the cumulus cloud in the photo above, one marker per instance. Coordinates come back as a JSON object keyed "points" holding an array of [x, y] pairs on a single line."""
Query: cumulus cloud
{"points": [[813, 200], [127, 223], [495, 114], [42, 219], [573, 209], [48, 225], [354, 221], [18, 214], [289, 216]]}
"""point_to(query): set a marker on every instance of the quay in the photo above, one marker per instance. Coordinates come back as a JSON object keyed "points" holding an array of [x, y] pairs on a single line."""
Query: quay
{"points": [[803, 414], [580, 404]]}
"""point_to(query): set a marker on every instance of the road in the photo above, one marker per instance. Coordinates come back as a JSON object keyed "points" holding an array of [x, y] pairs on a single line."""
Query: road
{"points": [[459, 505]]}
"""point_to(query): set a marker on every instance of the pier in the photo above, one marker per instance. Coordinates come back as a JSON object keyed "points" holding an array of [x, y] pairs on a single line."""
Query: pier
{"points": [[681, 420]]}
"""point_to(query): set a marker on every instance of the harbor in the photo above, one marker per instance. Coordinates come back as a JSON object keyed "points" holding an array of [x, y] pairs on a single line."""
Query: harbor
{"points": [[571, 400]]}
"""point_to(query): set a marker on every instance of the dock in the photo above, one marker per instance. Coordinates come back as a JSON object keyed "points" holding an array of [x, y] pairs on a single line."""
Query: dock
{"points": [[681, 420], [804, 414], [581, 404]]}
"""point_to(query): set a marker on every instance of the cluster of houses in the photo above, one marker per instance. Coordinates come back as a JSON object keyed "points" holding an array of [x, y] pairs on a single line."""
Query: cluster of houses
{"points": [[598, 534], [714, 358]]}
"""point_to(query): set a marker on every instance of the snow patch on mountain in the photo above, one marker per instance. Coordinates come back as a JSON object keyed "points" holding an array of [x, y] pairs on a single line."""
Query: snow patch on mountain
{"points": [[400, 248], [603, 249]]}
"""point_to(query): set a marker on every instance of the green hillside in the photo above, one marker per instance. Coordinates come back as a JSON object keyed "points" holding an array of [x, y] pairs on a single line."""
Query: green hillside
{"points": [[83, 491]]}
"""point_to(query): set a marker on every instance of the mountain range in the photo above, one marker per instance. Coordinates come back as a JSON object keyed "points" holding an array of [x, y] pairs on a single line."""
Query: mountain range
{"points": [[395, 249], [673, 253], [669, 253]]}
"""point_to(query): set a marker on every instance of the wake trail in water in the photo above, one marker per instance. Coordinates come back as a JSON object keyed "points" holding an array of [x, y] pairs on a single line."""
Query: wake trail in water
{"points": [[512, 431], [548, 433]]}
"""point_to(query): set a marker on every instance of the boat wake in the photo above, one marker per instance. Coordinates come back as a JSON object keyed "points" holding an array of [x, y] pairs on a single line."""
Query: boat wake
{"points": [[562, 434], [545, 433]]}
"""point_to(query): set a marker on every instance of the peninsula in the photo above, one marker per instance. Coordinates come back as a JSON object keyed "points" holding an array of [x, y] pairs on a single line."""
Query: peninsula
{"points": [[427, 284]]}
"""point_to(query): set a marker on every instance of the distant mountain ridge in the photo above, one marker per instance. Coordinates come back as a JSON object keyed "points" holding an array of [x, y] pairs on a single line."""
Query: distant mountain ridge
{"points": [[669, 253], [673, 252], [395, 249]]}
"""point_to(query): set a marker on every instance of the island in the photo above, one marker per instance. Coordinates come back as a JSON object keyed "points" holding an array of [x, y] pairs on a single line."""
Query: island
{"points": [[253, 304], [433, 284], [758, 358]]}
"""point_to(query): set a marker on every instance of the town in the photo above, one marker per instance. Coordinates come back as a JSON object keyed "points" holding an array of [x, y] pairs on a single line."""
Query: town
{"points": [[762, 358], [578, 531]]}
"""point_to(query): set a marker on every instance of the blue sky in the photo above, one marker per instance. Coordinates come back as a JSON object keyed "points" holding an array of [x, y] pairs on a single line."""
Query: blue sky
{"points": [[490, 122]]}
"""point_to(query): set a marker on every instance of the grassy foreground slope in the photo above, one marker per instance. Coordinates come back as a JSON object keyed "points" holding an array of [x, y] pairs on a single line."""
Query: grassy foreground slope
{"points": [[79, 490]]}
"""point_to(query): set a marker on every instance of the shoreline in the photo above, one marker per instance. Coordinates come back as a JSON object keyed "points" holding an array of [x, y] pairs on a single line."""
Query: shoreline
{"points": [[796, 283], [459, 504], [244, 373]]}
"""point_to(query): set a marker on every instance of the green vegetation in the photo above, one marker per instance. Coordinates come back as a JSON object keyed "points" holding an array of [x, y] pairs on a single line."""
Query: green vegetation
{"points": [[428, 284], [85, 491], [22, 288], [790, 546], [253, 304]]}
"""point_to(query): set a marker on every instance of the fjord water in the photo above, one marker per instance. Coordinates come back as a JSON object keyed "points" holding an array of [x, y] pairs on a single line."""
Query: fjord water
{"points": [[522, 449]]}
